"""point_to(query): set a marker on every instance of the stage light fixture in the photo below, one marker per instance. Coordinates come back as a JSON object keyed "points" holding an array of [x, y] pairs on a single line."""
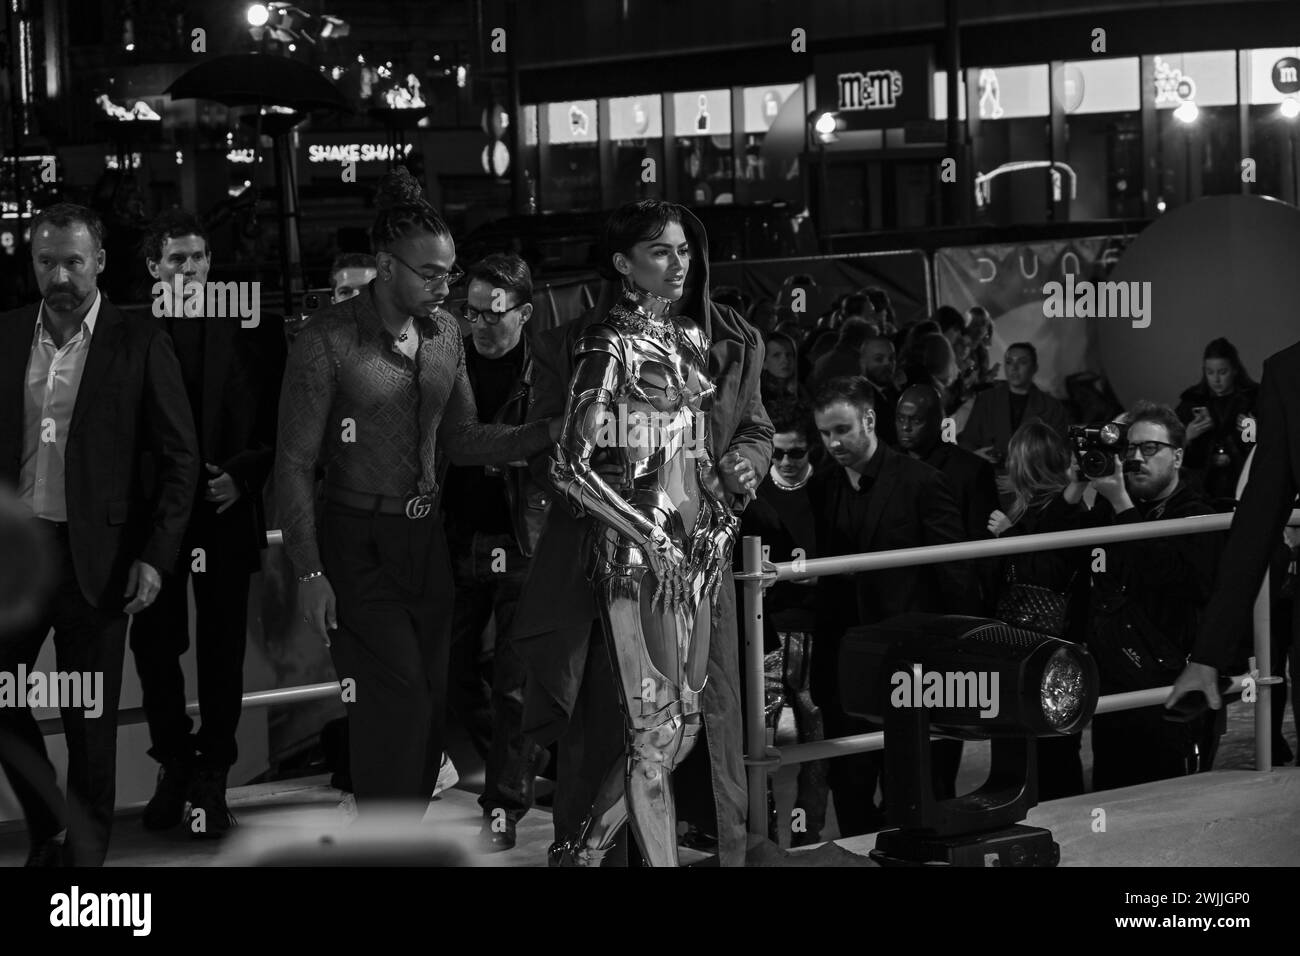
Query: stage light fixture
{"points": [[969, 678], [257, 15]]}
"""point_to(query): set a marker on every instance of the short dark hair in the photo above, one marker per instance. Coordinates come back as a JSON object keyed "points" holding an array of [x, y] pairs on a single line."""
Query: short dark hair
{"points": [[505, 270], [1027, 347], [172, 224], [64, 214], [949, 319], [853, 333], [631, 223], [852, 389], [351, 260], [1157, 414], [792, 415]]}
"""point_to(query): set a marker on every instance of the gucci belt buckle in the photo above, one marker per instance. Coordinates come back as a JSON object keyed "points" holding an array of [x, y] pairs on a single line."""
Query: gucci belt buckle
{"points": [[419, 506]]}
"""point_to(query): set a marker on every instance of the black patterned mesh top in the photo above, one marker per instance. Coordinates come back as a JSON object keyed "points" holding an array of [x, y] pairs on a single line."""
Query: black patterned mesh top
{"points": [[375, 418]]}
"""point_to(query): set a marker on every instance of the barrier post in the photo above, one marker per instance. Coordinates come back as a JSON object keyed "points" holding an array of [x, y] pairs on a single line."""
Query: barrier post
{"points": [[1264, 670], [755, 693]]}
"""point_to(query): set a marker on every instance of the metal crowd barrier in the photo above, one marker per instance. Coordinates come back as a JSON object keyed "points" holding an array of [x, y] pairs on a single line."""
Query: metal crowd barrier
{"points": [[757, 574]]}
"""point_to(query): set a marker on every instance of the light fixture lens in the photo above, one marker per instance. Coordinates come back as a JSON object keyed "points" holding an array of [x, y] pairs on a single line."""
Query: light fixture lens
{"points": [[825, 124], [1062, 690], [1290, 107], [1187, 112], [258, 15]]}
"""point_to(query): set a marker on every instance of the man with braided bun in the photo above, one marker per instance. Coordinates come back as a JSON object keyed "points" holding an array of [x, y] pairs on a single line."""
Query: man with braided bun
{"points": [[376, 390]]}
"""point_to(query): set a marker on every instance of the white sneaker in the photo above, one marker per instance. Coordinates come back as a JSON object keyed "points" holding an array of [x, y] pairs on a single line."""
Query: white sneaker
{"points": [[447, 776]]}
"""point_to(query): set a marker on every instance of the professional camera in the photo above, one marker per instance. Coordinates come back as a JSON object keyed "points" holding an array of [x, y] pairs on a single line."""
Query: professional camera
{"points": [[1095, 447]]}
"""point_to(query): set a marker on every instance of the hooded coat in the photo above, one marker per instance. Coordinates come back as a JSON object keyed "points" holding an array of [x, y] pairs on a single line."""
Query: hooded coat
{"points": [[557, 610]]}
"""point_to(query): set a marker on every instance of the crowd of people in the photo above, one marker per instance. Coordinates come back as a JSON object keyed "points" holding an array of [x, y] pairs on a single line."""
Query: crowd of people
{"points": [[1001, 464], [466, 543]]}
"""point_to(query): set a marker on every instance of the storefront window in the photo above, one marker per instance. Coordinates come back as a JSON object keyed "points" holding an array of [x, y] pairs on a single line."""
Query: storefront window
{"points": [[528, 159], [636, 134], [1103, 137], [1013, 179], [774, 118], [1195, 98], [703, 155], [1274, 98], [570, 158]]}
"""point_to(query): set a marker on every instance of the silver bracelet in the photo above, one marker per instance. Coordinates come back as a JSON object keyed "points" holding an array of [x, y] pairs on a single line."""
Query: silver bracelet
{"points": [[304, 578]]}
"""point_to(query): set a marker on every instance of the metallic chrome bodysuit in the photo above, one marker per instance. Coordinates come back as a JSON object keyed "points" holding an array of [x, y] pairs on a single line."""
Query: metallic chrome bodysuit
{"points": [[657, 552]]}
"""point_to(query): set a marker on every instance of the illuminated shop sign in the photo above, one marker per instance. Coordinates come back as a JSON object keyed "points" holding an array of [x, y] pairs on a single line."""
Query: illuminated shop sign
{"points": [[1206, 79], [763, 104], [876, 89], [240, 155], [573, 122], [702, 113], [1274, 73], [354, 152], [1099, 86], [636, 117]]}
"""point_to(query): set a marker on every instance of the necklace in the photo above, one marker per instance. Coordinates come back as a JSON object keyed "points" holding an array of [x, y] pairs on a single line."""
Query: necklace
{"points": [[784, 486], [407, 330]]}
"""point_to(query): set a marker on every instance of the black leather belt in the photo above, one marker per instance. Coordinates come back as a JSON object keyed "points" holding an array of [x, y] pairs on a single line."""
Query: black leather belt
{"points": [[414, 507]]}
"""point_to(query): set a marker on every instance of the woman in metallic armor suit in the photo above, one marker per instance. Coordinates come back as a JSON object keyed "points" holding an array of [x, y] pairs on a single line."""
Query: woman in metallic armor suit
{"points": [[636, 456]]}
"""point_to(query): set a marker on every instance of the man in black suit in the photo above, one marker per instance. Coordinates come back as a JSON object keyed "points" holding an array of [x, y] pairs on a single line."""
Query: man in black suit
{"points": [[874, 499], [1256, 528], [232, 370], [85, 393]]}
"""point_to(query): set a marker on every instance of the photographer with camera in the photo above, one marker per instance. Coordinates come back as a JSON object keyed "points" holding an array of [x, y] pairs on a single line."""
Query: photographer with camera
{"points": [[1147, 595]]}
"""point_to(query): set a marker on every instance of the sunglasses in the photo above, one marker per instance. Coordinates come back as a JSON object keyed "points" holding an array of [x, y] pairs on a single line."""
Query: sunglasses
{"points": [[795, 453], [431, 282]]}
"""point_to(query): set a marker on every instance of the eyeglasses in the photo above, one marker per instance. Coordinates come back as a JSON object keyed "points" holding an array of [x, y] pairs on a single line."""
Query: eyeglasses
{"points": [[487, 316], [1149, 449], [433, 281], [794, 453]]}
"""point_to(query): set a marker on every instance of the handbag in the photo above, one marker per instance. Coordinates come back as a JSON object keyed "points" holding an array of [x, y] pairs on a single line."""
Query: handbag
{"points": [[1032, 606]]}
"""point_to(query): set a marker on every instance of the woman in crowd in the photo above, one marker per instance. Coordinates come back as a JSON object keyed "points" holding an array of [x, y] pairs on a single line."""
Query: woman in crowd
{"points": [[1218, 411], [781, 370], [1045, 591]]}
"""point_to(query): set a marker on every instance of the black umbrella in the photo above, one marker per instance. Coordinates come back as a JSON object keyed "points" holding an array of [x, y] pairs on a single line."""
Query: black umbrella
{"points": [[262, 80], [259, 79]]}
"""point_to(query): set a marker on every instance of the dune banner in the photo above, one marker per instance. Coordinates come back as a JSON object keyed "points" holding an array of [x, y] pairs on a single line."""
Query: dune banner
{"points": [[1018, 285]]}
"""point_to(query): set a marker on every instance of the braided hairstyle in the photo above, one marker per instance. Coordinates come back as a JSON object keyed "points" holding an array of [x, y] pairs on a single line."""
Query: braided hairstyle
{"points": [[403, 211]]}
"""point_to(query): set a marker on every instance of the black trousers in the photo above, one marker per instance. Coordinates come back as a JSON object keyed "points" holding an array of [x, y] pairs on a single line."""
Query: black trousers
{"points": [[161, 634], [489, 572], [594, 739], [87, 640], [393, 587]]}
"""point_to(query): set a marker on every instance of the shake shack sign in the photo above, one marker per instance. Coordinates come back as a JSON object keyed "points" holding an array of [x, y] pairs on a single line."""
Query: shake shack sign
{"points": [[875, 89]]}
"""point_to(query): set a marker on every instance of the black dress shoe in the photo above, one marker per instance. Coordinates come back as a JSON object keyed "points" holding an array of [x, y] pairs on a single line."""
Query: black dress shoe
{"points": [[496, 837], [166, 808], [47, 854], [210, 818]]}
